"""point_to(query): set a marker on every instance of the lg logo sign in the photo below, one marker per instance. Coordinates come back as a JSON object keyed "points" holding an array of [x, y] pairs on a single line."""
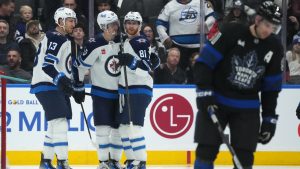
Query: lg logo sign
{"points": [[171, 116]]}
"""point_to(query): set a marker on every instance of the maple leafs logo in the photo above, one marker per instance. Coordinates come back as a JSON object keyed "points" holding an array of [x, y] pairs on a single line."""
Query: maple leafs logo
{"points": [[245, 71]]}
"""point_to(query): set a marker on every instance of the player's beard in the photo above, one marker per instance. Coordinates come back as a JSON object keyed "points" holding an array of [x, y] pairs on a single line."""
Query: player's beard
{"points": [[132, 32]]}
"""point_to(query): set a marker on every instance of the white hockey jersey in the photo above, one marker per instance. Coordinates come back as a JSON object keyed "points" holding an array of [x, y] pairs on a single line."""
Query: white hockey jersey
{"points": [[100, 57], [181, 22], [53, 57], [139, 80]]}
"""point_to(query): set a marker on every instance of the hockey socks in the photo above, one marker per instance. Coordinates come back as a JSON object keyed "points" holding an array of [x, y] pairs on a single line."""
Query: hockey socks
{"points": [[198, 164], [102, 140], [116, 146]]}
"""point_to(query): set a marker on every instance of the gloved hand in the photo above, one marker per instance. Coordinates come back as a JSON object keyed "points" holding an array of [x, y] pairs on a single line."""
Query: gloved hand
{"points": [[267, 129], [205, 98], [126, 59], [298, 111], [79, 93], [63, 83]]}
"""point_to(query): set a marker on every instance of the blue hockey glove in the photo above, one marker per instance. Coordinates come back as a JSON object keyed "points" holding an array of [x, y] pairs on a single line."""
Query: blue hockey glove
{"points": [[63, 83], [205, 98], [79, 92], [298, 111], [267, 129], [126, 59]]}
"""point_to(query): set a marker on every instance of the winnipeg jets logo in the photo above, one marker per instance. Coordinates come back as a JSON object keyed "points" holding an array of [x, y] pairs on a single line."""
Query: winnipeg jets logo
{"points": [[245, 71], [141, 40], [112, 66], [188, 15], [241, 43]]}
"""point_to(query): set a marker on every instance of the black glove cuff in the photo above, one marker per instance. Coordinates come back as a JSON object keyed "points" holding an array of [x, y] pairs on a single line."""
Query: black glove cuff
{"points": [[270, 119]]}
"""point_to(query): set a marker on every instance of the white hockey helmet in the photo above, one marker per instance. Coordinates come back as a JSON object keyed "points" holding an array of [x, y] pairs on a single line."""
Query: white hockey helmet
{"points": [[106, 17], [134, 16], [63, 13]]}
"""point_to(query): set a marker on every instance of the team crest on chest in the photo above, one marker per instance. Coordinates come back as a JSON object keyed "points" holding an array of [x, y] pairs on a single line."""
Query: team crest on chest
{"points": [[188, 15], [245, 70], [112, 66]]}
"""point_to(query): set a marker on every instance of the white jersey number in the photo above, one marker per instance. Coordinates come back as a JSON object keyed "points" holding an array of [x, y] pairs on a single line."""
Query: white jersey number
{"points": [[52, 45]]}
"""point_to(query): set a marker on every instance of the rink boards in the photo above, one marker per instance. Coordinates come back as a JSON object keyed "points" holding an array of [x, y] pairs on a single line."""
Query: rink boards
{"points": [[169, 129]]}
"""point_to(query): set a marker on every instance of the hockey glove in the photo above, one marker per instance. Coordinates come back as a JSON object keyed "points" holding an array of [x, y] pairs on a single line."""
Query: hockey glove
{"points": [[267, 129], [63, 83], [298, 111], [126, 59], [205, 99], [79, 92]]}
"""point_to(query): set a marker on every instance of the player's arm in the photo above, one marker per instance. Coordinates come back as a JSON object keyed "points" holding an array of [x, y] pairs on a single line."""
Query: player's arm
{"points": [[55, 48], [86, 59], [271, 86], [142, 48], [162, 24], [210, 16], [272, 83], [211, 54]]}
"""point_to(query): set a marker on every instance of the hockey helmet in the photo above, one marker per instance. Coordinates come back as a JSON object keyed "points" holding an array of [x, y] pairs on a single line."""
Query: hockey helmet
{"points": [[63, 13], [238, 4], [270, 11], [105, 18], [134, 16]]}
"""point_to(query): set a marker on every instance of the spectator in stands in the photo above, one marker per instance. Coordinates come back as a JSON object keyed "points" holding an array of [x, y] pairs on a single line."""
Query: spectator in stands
{"points": [[237, 14], [293, 25], [293, 59], [5, 44], [295, 5], [170, 72], [26, 16], [156, 46], [13, 67], [178, 26], [7, 7], [79, 38], [73, 5], [29, 45], [190, 69]]}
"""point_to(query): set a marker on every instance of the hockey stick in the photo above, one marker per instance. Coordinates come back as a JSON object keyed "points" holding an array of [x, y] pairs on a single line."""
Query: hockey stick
{"points": [[87, 126], [211, 112], [126, 82], [85, 119]]}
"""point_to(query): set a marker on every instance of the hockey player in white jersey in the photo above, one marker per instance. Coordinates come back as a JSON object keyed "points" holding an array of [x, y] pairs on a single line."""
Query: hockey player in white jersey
{"points": [[138, 62], [52, 86], [178, 25], [100, 57]]}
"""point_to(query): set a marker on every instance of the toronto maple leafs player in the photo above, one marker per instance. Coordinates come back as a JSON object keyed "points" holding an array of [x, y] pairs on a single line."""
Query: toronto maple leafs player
{"points": [[100, 57], [52, 86], [230, 73], [138, 62], [178, 26]]}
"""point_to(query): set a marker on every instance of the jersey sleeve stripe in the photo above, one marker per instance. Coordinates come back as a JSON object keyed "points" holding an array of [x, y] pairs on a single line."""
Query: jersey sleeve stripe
{"points": [[210, 56], [186, 38], [83, 63], [272, 83], [162, 23], [51, 57]]}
